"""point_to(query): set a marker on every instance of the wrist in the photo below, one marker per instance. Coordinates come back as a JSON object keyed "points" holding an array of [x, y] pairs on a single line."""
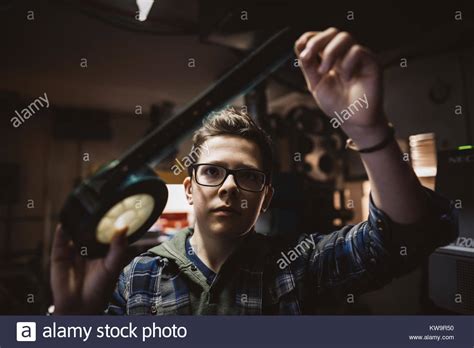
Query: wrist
{"points": [[368, 136]]}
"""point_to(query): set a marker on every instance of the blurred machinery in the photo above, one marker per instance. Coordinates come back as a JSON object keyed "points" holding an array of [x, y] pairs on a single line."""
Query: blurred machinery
{"points": [[310, 171], [451, 268]]}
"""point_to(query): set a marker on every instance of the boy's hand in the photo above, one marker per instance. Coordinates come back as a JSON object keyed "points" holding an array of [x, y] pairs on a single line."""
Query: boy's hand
{"points": [[338, 72], [81, 285]]}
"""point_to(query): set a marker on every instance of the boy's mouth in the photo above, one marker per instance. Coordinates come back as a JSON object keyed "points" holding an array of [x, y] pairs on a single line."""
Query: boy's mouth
{"points": [[225, 210]]}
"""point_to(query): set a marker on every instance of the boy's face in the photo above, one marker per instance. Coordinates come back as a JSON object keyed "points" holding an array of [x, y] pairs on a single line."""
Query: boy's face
{"points": [[231, 152]]}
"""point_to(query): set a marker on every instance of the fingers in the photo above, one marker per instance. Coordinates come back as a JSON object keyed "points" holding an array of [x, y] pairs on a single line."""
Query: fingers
{"points": [[356, 55], [300, 44], [311, 45], [62, 261], [334, 50], [60, 238], [317, 43], [115, 258], [62, 248]]}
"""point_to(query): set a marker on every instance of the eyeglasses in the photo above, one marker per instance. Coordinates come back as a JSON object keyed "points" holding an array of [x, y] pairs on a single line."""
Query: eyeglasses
{"points": [[213, 175]]}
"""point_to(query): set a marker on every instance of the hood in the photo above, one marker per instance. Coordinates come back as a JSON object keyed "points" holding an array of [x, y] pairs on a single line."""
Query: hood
{"points": [[254, 250], [174, 249]]}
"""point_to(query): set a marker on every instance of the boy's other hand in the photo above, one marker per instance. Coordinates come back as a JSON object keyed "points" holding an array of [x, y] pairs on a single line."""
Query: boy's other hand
{"points": [[81, 285]]}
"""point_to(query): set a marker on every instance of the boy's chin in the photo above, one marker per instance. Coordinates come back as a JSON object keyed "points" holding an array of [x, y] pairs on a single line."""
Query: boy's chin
{"points": [[226, 230]]}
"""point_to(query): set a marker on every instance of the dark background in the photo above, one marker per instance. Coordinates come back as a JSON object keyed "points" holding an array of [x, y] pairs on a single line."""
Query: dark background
{"points": [[130, 63]]}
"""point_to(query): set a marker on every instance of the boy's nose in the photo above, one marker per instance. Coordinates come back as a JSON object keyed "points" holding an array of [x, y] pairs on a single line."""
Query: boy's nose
{"points": [[229, 184]]}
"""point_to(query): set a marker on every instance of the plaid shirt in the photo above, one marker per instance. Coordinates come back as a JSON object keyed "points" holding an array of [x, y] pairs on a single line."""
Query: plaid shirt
{"points": [[271, 276]]}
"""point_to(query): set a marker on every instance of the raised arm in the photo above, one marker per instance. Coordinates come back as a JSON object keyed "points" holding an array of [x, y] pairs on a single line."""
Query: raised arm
{"points": [[346, 82], [406, 221]]}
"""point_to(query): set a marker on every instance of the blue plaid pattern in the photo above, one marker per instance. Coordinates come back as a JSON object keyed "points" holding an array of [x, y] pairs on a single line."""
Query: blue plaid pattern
{"points": [[355, 259]]}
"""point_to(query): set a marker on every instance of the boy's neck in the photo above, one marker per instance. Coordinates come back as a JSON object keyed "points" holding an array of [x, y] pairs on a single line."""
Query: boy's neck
{"points": [[213, 251]]}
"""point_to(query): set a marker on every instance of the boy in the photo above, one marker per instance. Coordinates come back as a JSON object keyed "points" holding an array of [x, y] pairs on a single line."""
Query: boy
{"points": [[222, 266]]}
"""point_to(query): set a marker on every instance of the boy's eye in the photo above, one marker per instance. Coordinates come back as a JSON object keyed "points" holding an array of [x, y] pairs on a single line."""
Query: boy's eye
{"points": [[251, 176], [211, 171]]}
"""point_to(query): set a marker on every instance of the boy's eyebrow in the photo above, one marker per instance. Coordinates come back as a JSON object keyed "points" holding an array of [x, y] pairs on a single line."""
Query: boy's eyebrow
{"points": [[241, 166]]}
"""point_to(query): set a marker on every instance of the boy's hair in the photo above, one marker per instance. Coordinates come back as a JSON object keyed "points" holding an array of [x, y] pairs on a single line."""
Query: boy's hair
{"points": [[228, 121]]}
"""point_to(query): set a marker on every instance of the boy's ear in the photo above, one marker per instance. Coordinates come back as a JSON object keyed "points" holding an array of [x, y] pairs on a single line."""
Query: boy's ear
{"points": [[268, 197], [188, 189]]}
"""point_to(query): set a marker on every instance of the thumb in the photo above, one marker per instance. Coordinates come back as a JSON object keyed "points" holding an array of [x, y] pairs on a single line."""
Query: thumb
{"points": [[115, 257], [309, 67]]}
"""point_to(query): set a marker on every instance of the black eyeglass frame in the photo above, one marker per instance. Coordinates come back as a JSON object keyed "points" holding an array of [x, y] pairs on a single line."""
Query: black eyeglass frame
{"points": [[228, 171]]}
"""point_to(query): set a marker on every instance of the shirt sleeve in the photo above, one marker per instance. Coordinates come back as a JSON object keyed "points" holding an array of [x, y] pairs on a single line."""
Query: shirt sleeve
{"points": [[365, 257], [118, 302]]}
